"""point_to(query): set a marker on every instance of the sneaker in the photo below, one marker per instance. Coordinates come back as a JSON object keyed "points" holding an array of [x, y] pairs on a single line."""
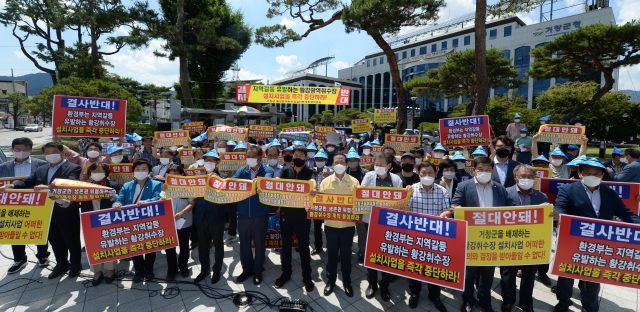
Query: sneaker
{"points": [[230, 239], [17, 266], [149, 276], [43, 262]]}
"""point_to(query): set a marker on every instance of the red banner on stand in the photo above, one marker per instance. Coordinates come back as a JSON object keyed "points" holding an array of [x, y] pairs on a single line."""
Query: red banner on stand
{"points": [[465, 131], [76, 116]]}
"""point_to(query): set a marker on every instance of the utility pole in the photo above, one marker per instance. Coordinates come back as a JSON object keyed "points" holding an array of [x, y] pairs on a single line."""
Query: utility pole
{"points": [[13, 82]]}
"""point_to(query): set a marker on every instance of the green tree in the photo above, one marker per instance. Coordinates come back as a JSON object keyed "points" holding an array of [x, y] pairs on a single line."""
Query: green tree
{"points": [[596, 48], [17, 101], [429, 126], [307, 126], [457, 77], [501, 110], [151, 95], [375, 17], [326, 118], [38, 106]]}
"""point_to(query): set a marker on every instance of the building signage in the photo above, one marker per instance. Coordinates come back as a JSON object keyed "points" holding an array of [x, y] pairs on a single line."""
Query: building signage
{"points": [[426, 56], [556, 30]]}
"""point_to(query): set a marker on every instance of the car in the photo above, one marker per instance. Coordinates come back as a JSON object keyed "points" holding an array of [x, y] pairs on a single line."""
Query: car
{"points": [[19, 127], [32, 128]]}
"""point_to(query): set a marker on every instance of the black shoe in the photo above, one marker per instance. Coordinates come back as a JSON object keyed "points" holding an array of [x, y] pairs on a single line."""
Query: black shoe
{"points": [[243, 277], [43, 262], [308, 284], [97, 281], [84, 250], [371, 291], [557, 308], [297, 249], [257, 278], [171, 276], [17, 266], [413, 301], [184, 273], [137, 278], [328, 290], [201, 277], [361, 260], [148, 276], [553, 289], [315, 251], [215, 277], [466, 307], [75, 270], [483, 309], [384, 294], [436, 303], [544, 279], [281, 281], [59, 269], [348, 290], [108, 279], [193, 245]]}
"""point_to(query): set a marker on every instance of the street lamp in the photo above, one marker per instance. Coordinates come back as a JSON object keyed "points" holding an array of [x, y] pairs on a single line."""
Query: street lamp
{"points": [[413, 112]]}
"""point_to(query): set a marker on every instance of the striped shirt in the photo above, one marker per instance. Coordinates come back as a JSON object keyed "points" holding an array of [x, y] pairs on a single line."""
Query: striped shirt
{"points": [[148, 155], [178, 205], [431, 203]]}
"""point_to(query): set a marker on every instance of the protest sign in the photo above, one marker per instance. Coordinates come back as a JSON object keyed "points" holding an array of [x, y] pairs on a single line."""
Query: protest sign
{"points": [[112, 234], [562, 134], [598, 251], [367, 161], [265, 160], [285, 192], [78, 190], [126, 151], [75, 116], [229, 190], [292, 95], [225, 133], [361, 125], [425, 248], [320, 133], [366, 197], [171, 138], [333, 207], [375, 150], [262, 132], [384, 115], [626, 191], [25, 216], [194, 126], [274, 236], [121, 173], [231, 161], [541, 173], [519, 235], [186, 155], [195, 171], [401, 142], [465, 131], [293, 129], [295, 136], [185, 187], [7, 181]]}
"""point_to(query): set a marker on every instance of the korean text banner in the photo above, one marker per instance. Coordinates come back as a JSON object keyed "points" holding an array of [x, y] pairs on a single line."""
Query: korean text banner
{"points": [[194, 126], [88, 117], [285, 192], [185, 187], [265, 160], [292, 95], [375, 150], [78, 190], [7, 181], [224, 191], [384, 115], [293, 129], [627, 191], [295, 136], [24, 217], [321, 132], [112, 234], [401, 142], [125, 152], [361, 125], [421, 247], [366, 197], [195, 171], [598, 251], [171, 138], [186, 155], [519, 235], [366, 161], [333, 207], [465, 131], [121, 173], [540, 173], [224, 133], [262, 132], [562, 134], [232, 162]]}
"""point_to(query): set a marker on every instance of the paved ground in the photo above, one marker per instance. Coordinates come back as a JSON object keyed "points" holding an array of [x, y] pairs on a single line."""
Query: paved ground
{"points": [[7, 136], [65, 294]]}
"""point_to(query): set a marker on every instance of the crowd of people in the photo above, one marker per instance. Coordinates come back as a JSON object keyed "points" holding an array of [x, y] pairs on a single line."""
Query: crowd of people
{"points": [[503, 175]]}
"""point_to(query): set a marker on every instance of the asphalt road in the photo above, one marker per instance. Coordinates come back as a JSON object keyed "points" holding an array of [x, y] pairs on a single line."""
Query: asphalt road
{"points": [[7, 136]]}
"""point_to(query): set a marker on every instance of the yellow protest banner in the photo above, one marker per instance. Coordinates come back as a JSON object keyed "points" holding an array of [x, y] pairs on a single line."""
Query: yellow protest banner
{"points": [[194, 126], [321, 132], [24, 217], [367, 161], [262, 131], [541, 173], [224, 191], [366, 197], [232, 162], [518, 235], [333, 207], [361, 125], [401, 142], [78, 190], [171, 138], [375, 150], [121, 173], [292, 95], [225, 133], [563, 134], [384, 115], [186, 155], [285, 192], [184, 186]]}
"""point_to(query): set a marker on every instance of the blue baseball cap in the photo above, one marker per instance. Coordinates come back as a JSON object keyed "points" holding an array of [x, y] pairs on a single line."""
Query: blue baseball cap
{"points": [[479, 151], [298, 142], [516, 116], [112, 149], [524, 129], [353, 154], [321, 154], [312, 146], [617, 151], [231, 143], [573, 146], [458, 156], [368, 144], [187, 120], [593, 162], [275, 143], [540, 158], [439, 147], [239, 145], [557, 152], [289, 148], [211, 153], [200, 137], [545, 118], [376, 141]]}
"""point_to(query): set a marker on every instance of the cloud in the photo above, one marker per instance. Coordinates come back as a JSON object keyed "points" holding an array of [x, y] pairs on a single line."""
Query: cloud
{"points": [[628, 10], [629, 78], [19, 54], [287, 22], [340, 65], [526, 18], [287, 62], [143, 66]]}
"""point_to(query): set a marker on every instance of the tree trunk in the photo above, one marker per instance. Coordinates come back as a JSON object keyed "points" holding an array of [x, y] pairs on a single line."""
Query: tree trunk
{"points": [[482, 83], [574, 112], [95, 60], [469, 109], [401, 123], [184, 71]]}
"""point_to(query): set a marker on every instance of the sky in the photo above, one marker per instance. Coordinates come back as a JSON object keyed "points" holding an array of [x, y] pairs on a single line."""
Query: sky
{"points": [[270, 64]]}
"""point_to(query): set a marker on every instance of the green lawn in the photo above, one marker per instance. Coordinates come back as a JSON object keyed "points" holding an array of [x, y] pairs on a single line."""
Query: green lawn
{"points": [[594, 151]]}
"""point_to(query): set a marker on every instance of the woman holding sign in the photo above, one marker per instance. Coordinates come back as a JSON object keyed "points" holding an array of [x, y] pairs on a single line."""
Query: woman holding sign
{"points": [[140, 191]]}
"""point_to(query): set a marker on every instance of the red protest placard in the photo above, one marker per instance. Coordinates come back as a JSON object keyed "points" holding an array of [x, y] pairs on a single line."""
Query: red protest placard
{"points": [[365, 197], [229, 190], [76, 116], [179, 186], [563, 134], [628, 192], [171, 138], [401, 142], [112, 234], [195, 171], [465, 131], [78, 190], [262, 132], [194, 126], [321, 132], [333, 207], [121, 173], [285, 192], [293, 129], [7, 181], [598, 251], [421, 247]]}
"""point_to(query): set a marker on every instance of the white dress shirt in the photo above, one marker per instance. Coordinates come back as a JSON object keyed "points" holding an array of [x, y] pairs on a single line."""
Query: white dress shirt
{"points": [[594, 198], [485, 194], [22, 169]]}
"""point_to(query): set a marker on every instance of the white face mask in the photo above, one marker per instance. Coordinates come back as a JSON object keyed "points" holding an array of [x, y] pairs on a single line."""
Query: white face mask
{"points": [[578, 124], [353, 164], [460, 165], [93, 154], [209, 166], [140, 175], [380, 170], [22, 155], [426, 180], [543, 123], [339, 169], [517, 120], [622, 160], [252, 162], [53, 158], [97, 176], [331, 149], [556, 162], [438, 155], [320, 164], [173, 148], [272, 162], [221, 149], [483, 177], [522, 135], [366, 151], [165, 161], [418, 161], [138, 143], [398, 158], [591, 181], [200, 162], [311, 154], [116, 159], [525, 184], [449, 175]]}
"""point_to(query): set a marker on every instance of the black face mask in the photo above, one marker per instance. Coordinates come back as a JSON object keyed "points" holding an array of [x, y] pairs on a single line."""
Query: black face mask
{"points": [[298, 162], [407, 167], [502, 153], [287, 158]]}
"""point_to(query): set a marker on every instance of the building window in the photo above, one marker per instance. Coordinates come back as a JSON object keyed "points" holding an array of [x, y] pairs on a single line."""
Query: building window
{"points": [[507, 31], [444, 45], [368, 63], [434, 47], [540, 85], [493, 34], [375, 62], [521, 62], [423, 50], [404, 55], [503, 91], [467, 40], [454, 44], [397, 56], [381, 60], [413, 52]]}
